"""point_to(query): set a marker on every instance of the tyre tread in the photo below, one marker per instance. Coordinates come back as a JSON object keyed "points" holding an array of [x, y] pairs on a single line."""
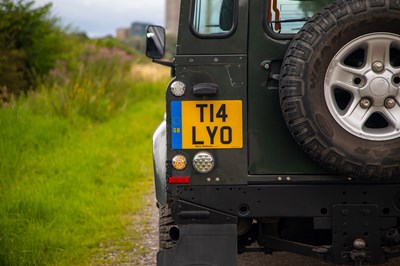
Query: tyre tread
{"points": [[293, 89], [165, 223]]}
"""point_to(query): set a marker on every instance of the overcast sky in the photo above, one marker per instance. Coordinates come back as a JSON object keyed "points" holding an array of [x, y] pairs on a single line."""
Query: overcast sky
{"points": [[102, 17]]}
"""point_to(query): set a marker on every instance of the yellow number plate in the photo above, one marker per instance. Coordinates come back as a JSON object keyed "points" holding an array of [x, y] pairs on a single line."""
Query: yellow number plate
{"points": [[207, 124]]}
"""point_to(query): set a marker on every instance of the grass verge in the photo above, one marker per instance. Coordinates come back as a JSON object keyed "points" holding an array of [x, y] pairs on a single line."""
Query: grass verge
{"points": [[68, 184]]}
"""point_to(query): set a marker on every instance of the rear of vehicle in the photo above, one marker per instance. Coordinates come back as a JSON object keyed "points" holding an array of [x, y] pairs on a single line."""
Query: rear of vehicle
{"points": [[281, 142]]}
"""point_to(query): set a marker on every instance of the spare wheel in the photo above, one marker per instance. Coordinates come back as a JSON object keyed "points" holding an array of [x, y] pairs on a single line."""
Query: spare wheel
{"points": [[340, 88]]}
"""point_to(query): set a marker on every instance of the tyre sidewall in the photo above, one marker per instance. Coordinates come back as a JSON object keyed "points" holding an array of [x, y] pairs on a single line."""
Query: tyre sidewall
{"points": [[342, 150]]}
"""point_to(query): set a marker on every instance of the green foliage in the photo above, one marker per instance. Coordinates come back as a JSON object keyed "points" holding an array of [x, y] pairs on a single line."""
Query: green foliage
{"points": [[170, 49], [112, 43], [95, 85], [30, 43], [137, 43], [69, 184], [314, 5]]}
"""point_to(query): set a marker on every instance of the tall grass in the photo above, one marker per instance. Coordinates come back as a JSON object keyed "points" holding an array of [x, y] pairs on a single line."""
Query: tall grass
{"points": [[96, 87], [75, 159]]}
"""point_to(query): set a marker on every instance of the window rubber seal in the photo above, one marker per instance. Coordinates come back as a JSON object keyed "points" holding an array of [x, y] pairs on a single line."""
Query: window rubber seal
{"points": [[224, 35], [270, 32]]}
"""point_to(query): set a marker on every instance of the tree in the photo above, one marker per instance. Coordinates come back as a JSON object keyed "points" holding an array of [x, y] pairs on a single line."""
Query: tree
{"points": [[313, 6], [30, 43]]}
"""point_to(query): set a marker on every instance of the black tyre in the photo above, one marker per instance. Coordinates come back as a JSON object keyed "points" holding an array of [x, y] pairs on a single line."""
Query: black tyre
{"points": [[340, 88], [165, 224]]}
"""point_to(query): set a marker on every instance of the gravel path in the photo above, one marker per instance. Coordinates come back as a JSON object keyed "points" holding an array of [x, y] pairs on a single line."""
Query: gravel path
{"points": [[142, 235], [150, 239]]}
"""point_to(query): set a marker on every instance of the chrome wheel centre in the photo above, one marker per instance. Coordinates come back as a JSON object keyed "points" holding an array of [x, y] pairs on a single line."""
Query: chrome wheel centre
{"points": [[379, 87]]}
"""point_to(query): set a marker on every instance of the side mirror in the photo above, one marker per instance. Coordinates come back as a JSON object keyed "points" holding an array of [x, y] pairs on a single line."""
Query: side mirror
{"points": [[155, 42]]}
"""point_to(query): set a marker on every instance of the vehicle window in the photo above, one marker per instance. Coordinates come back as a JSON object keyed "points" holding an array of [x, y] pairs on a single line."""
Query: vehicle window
{"points": [[289, 16], [213, 16]]}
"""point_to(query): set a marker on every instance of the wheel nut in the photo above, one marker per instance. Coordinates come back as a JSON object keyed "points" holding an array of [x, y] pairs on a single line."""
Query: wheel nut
{"points": [[378, 66], [390, 103], [365, 103]]}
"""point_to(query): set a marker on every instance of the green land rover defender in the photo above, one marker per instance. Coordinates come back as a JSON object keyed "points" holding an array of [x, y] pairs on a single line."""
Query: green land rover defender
{"points": [[282, 131]]}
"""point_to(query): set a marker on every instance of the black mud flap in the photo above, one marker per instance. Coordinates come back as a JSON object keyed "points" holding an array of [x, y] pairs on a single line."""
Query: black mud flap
{"points": [[202, 244]]}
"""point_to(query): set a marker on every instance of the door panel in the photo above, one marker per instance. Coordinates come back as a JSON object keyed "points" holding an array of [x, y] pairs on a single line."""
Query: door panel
{"points": [[272, 149]]}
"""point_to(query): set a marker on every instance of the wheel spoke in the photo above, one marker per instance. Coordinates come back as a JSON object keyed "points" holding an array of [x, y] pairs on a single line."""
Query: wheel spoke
{"points": [[344, 73], [343, 76], [346, 86], [357, 116], [352, 107], [396, 71], [378, 50], [350, 70], [392, 116]]}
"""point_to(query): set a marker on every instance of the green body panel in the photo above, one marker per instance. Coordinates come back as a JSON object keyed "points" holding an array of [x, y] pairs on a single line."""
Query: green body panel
{"points": [[235, 64], [190, 44], [270, 187], [272, 149], [229, 72]]}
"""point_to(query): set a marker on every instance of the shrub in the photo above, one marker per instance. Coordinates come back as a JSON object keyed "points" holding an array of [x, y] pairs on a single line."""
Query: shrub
{"points": [[30, 43], [95, 87]]}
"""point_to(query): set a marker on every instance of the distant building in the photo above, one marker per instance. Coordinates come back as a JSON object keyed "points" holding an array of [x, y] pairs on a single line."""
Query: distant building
{"points": [[123, 34], [138, 29], [172, 15]]}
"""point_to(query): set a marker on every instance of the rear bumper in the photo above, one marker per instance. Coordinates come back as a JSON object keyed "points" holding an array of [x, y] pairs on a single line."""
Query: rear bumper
{"points": [[291, 200], [350, 212]]}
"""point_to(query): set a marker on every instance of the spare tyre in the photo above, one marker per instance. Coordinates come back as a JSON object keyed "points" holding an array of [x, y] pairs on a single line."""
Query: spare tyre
{"points": [[340, 88]]}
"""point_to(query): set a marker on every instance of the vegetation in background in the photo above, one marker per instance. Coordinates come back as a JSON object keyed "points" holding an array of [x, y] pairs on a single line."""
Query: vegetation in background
{"points": [[76, 144], [96, 87], [30, 44], [69, 185], [139, 44], [71, 179], [314, 6], [170, 48]]}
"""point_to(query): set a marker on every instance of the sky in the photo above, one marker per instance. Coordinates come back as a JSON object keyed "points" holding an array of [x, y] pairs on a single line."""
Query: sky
{"points": [[99, 18]]}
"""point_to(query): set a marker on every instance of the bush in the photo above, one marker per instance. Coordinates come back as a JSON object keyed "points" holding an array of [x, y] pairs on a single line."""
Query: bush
{"points": [[30, 43], [95, 86]]}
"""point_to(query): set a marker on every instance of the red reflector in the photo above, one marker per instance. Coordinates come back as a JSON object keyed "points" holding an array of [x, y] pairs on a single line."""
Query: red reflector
{"points": [[179, 180]]}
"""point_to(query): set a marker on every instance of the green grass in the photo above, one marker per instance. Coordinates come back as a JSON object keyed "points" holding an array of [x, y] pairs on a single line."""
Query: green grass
{"points": [[69, 183]]}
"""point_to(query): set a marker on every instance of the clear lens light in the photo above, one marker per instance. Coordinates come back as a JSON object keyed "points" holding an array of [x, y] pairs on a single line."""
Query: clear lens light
{"points": [[179, 162], [178, 88], [203, 162]]}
